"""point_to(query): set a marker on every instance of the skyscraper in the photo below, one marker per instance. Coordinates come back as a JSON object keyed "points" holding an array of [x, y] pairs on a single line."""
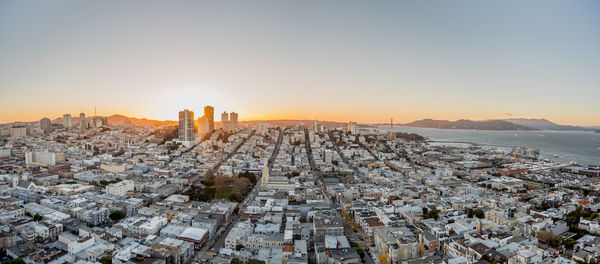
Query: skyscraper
{"points": [[203, 126], [209, 112], [224, 117], [83, 123], [186, 126], [353, 127], [46, 126], [316, 126], [233, 121], [225, 121], [99, 121], [67, 121]]}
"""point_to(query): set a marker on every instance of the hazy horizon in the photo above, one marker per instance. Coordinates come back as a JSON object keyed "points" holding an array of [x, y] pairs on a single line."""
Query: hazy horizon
{"points": [[217, 115], [268, 60]]}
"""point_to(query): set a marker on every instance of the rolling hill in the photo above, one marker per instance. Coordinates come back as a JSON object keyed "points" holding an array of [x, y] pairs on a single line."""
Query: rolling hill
{"points": [[469, 124], [544, 124]]}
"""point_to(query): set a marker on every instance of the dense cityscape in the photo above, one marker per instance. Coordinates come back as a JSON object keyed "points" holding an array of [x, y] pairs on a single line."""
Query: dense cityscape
{"points": [[299, 132], [84, 190]]}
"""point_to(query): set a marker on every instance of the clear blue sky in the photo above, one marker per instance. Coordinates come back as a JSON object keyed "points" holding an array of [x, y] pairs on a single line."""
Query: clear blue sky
{"points": [[330, 60]]}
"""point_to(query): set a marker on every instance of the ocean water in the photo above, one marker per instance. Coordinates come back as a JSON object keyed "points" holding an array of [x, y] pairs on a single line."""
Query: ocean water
{"points": [[580, 146]]}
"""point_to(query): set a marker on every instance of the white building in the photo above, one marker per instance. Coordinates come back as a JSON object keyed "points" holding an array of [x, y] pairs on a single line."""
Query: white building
{"points": [[19, 131], [46, 158], [233, 121], [153, 226], [353, 128], [77, 246], [187, 132], [120, 188], [203, 126], [67, 121], [238, 233], [46, 125]]}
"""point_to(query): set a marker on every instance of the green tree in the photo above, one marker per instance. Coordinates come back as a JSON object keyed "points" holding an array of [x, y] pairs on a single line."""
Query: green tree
{"points": [[236, 261], [433, 213], [17, 261], [569, 243], [106, 259], [255, 261], [556, 241], [117, 215], [37, 217], [238, 247], [361, 252], [208, 182], [252, 177], [479, 213], [497, 261], [234, 197]]}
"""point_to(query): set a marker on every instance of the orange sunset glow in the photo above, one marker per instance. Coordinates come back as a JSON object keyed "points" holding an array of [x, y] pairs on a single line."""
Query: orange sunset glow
{"points": [[265, 64]]}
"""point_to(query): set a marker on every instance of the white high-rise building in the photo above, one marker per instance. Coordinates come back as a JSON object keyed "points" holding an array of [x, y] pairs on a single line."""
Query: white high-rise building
{"points": [[18, 131], [46, 126], [233, 121], [187, 132], [120, 188], [203, 126], [67, 121], [262, 127], [316, 126], [209, 112], [353, 127], [225, 121], [83, 123], [46, 158]]}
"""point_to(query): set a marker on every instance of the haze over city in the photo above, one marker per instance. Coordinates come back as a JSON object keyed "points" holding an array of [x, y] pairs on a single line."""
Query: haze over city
{"points": [[361, 61]]}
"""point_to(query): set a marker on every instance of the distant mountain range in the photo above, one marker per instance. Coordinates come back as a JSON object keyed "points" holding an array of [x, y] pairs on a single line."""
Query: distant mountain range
{"points": [[119, 119], [493, 124], [544, 124], [469, 124], [497, 124]]}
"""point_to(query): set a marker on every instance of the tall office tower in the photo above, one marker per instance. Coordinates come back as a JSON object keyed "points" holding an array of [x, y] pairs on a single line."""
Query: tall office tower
{"points": [[186, 126], [99, 121], [225, 121], [46, 125], [224, 117], [233, 121], [209, 112], [82, 121], [67, 121], [353, 127], [262, 127], [203, 127], [316, 126]]}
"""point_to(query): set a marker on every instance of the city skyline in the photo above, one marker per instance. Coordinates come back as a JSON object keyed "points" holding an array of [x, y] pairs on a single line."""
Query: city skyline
{"points": [[300, 132], [366, 63]]}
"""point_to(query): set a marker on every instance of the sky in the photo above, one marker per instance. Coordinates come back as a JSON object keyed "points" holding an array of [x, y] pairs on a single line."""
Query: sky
{"points": [[365, 61]]}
